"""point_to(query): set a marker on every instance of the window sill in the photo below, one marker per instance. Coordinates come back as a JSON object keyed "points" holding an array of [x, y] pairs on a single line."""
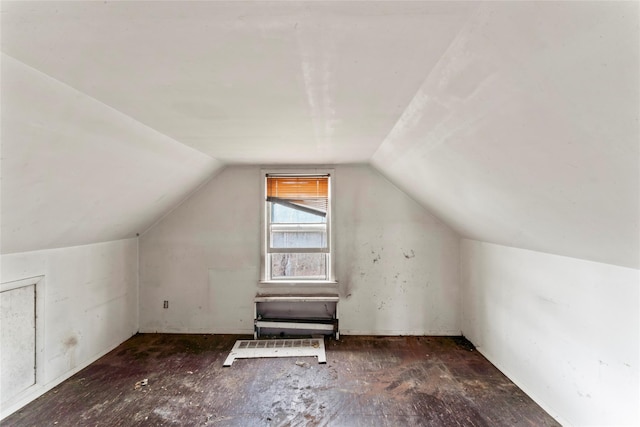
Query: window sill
{"points": [[298, 283]]}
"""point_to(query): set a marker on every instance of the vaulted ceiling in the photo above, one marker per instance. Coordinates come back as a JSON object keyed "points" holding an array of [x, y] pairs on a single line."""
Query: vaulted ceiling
{"points": [[515, 122]]}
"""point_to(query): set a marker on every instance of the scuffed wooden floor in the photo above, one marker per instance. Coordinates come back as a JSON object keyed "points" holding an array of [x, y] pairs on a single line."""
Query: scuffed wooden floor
{"points": [[367, 381]]}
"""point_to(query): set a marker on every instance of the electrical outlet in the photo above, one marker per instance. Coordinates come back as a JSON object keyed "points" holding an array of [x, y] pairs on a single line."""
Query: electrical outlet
{"points": [[166, 304]]}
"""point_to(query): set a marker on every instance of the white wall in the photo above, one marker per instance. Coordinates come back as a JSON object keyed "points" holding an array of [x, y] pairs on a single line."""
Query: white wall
{"points": [[565, 330], [396, 264], [90, 305]]}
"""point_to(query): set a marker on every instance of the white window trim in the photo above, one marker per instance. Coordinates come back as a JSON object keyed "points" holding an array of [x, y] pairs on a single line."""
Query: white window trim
{"points": [[264, 232]]}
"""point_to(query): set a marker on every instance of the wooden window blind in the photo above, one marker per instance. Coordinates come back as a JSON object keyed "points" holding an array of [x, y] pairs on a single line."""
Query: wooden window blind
{"points": [[301, 192]]}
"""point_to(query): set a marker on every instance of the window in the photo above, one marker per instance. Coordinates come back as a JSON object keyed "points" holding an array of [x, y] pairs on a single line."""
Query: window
{"points": [[297, 227]]}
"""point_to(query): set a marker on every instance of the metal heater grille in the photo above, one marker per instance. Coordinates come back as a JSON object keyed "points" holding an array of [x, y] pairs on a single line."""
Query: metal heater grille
{"points": [[251, 349]]}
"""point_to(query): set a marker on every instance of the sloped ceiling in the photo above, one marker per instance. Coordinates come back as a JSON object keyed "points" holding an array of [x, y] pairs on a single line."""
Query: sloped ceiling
{"points": [[75, 171], [248, 82], [515, 122], [526, 132]]}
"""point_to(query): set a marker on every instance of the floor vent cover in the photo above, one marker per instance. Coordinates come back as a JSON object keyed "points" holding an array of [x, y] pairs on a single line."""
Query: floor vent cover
{"points": [[253, 349]]}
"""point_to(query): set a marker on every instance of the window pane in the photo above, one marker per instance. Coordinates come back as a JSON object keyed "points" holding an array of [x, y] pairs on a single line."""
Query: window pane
{"points": [[286, 215], [303, 266], [293, 239]]}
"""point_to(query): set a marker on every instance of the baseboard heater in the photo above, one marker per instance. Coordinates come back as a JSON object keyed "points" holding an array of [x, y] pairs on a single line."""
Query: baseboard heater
{"points": [[312, 313]]}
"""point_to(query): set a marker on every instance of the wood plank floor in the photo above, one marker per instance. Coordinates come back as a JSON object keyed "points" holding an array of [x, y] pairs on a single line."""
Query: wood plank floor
{"points": [[367, 381]]}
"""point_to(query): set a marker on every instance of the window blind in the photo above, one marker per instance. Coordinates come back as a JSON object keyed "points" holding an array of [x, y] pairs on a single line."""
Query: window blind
{"points": [[307, 193]]}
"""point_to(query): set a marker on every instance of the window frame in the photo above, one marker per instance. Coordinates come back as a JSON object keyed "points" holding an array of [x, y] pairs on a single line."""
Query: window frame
{"points": [[265, 273]]}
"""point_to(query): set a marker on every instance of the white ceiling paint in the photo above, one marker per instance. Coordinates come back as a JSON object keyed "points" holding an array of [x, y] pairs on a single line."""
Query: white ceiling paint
{"points": [[526, 132], [515, 122], [75, 171], [244, 82]]}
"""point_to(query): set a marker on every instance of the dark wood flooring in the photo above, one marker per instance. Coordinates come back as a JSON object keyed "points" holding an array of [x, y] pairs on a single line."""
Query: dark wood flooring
{"points": [[367, 381]]}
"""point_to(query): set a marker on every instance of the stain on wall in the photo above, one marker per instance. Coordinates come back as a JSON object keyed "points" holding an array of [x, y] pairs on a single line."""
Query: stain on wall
{"points": [[387, 247]]}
